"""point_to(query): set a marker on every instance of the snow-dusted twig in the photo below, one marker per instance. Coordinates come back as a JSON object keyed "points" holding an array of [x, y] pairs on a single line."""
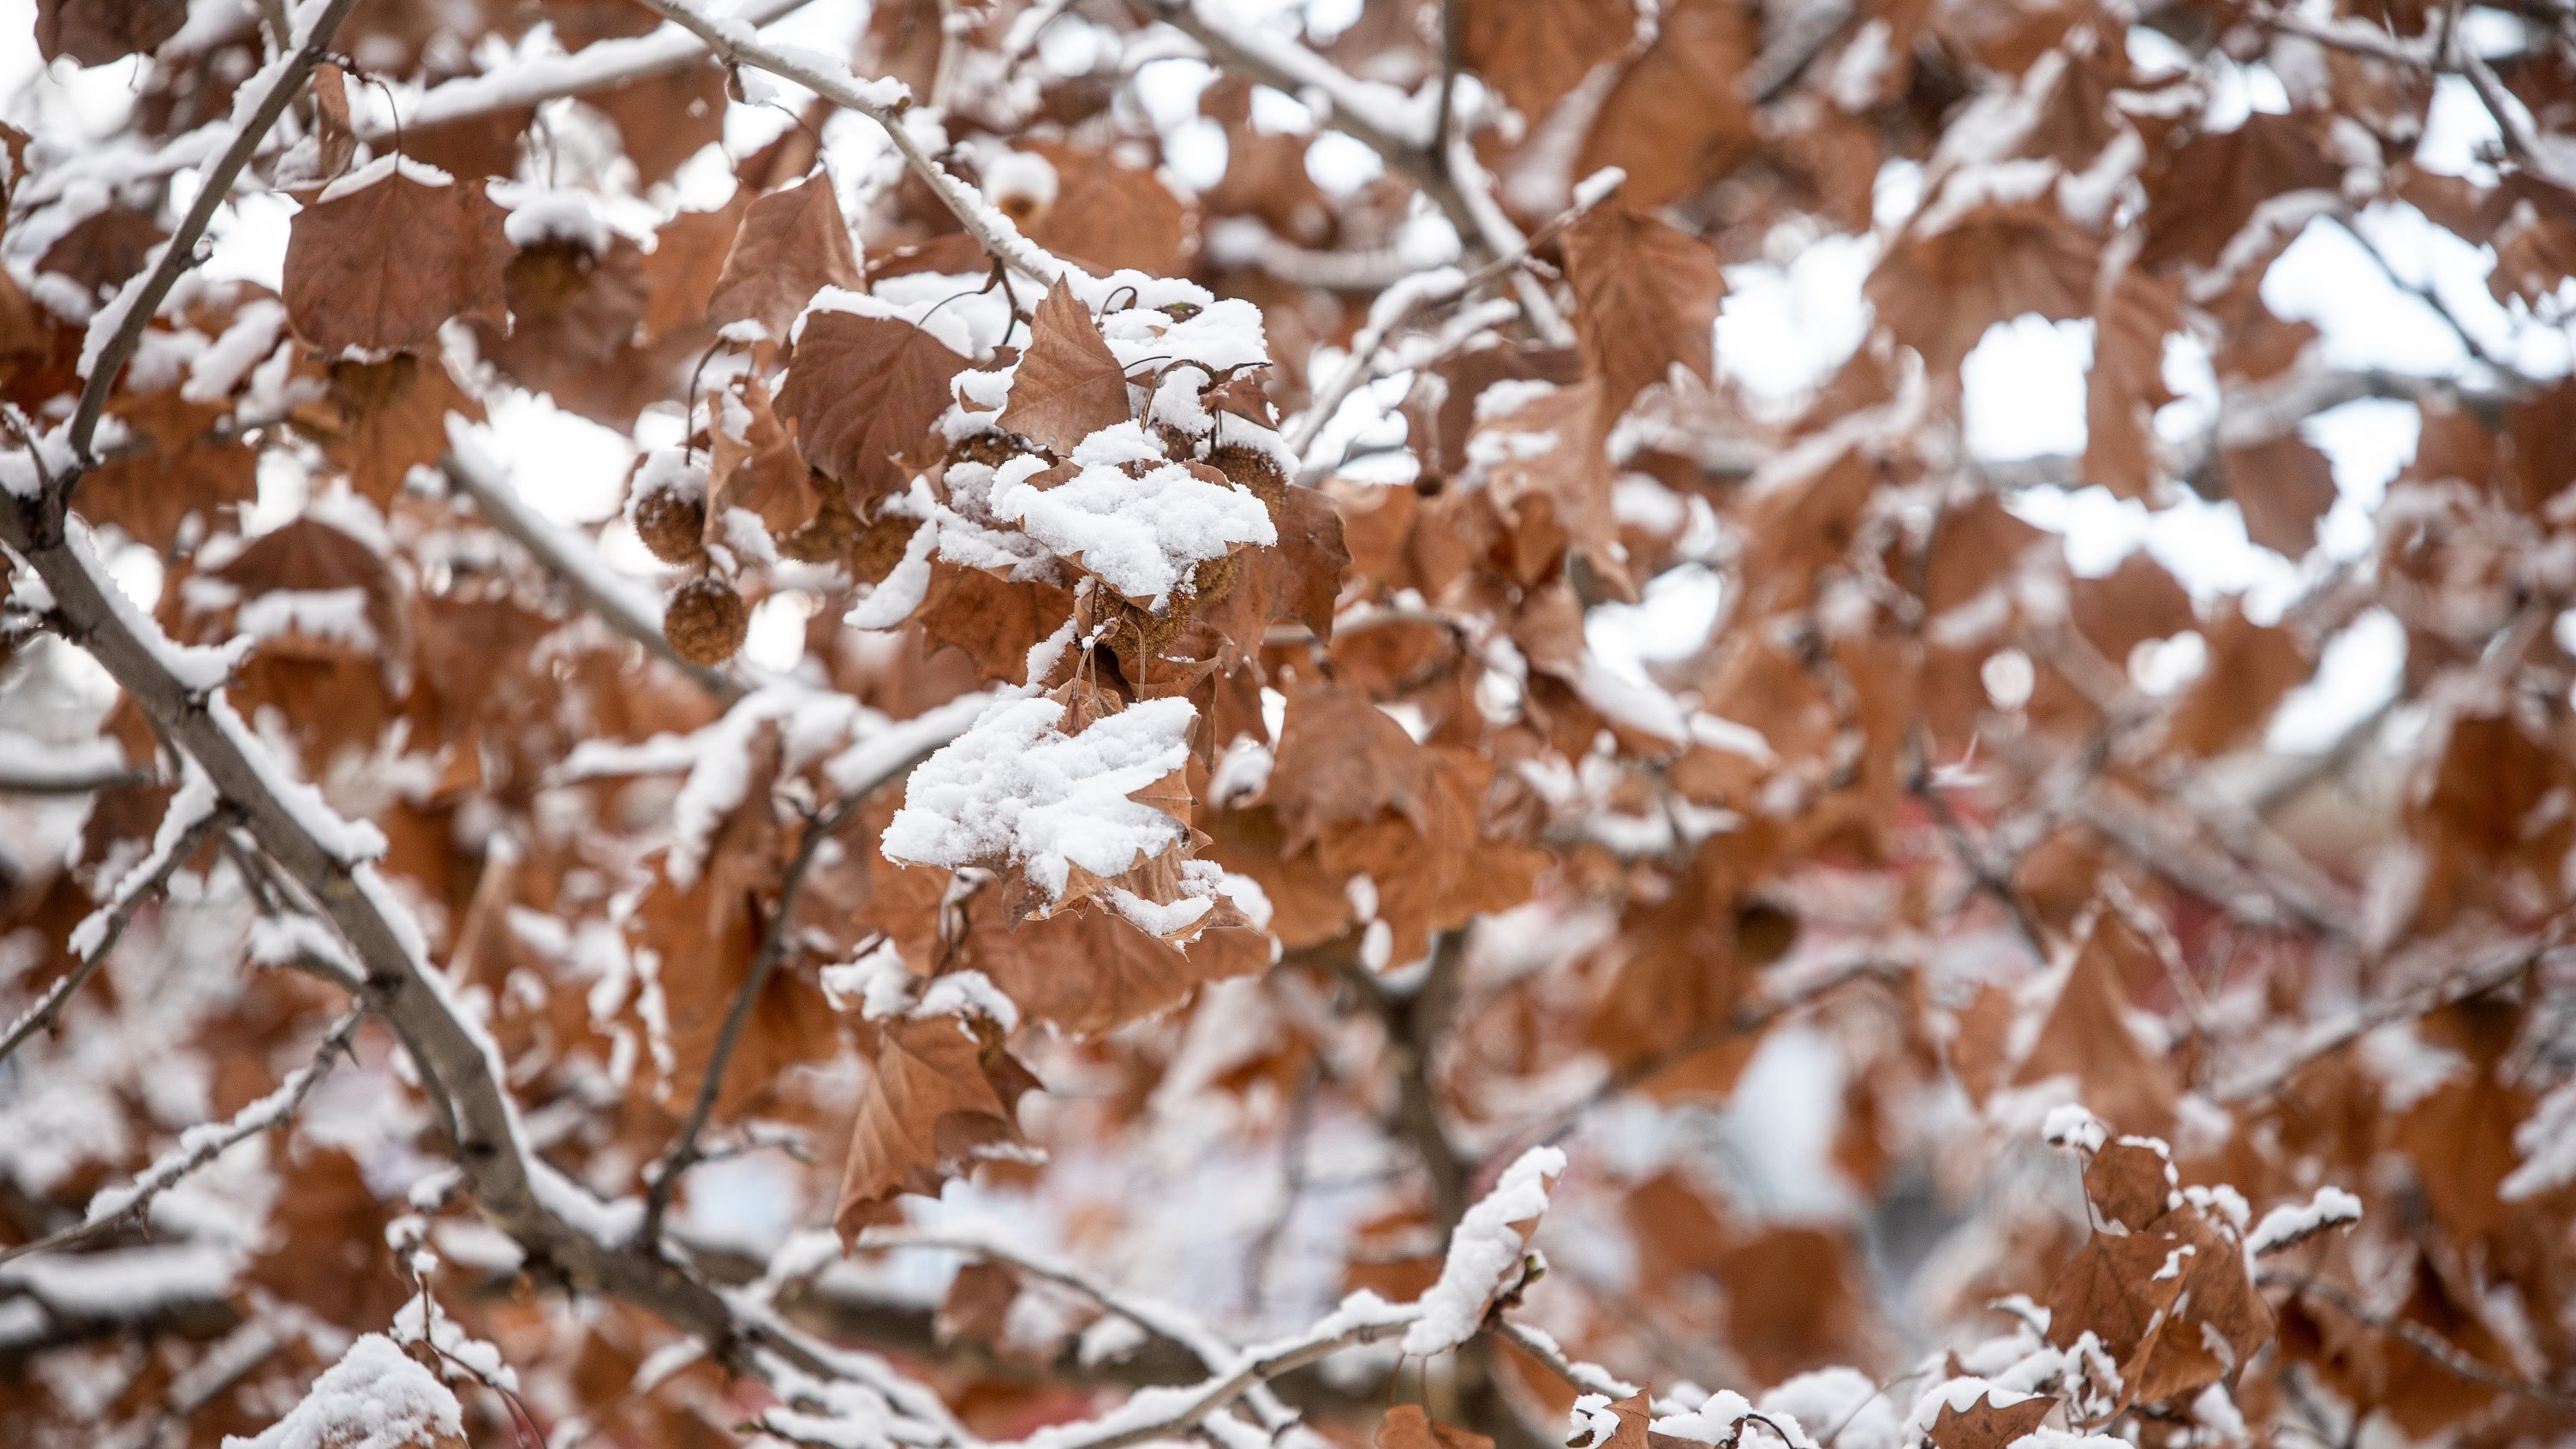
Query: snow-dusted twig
{"points": [[2447, 988], [1750, 1018], [615, 599], [329, 861], [598, 66], [198, 1146], [1166, 1413], [140, 299], [883, 102], [191, 817], [2453, 1359], [1408, 298], [1162, 1320]]}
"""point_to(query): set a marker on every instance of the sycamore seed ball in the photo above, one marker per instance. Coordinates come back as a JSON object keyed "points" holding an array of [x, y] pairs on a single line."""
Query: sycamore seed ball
{"points": [[706, 620], [673, 525]]}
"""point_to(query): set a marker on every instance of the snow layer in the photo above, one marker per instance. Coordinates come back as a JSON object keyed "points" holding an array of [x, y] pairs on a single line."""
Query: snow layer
{"points": [[1141, 535], [1483, 1252], [375, 1397], [2290, 1222], [1015, 787]]}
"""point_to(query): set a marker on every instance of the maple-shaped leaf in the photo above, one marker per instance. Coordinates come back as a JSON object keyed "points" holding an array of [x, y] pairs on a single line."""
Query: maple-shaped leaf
{"points": [[791, 245], [383, 257], [1343, 760], [2086, 1034], [934, 1091], [1680, 115], [990, 620], [1068, 385], [687, 261], [2131, 1182], [864, 391], [1407, 1426], [95, 32], [1985, 1424], [1939, 292], [1646, 296], [2217, 182], [1107, 214], [1534, 51], [753, 464]]}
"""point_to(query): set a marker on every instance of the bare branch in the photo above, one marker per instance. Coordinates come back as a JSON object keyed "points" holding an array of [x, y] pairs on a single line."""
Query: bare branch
{"points": [[189, 821], [884, 103], [199, 1146], [140, 300]]}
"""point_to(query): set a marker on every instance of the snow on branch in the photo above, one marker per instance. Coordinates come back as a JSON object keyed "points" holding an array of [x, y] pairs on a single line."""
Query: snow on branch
{"points": [[198, 1146], [884, 102], [1485, 1255]]}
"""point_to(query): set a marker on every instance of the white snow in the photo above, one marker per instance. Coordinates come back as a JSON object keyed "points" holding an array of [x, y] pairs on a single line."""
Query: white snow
{"points": [[1015, 787], [2292, 1222], [375, 1397], [1484, 1253], [1141, 535]]}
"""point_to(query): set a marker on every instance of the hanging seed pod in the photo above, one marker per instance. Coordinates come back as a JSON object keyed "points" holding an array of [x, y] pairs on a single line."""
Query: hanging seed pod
{"points": [[706, 620], [673, 524]]}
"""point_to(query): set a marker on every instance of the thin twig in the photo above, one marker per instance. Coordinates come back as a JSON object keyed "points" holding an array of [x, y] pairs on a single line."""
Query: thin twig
{"points": [[45, 1014], [2440, 1350], [179, 253], [201, 1145]]}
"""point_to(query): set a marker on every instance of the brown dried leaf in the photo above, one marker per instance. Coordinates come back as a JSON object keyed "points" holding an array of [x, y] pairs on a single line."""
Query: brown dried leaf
{"points": [[934, 1091], [1406, 1426], [95, 32], [2283, 486], [759, 469], [791, 244], [862, 392], [1986, 1424], [1534, 51], [1646, 297], [380, 267], [1068, 384], [1679, 116], [687, 260], [1939, 293]]}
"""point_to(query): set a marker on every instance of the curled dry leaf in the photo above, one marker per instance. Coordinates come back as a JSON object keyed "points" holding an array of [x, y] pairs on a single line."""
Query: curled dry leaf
{"points": [[935, 1092]]}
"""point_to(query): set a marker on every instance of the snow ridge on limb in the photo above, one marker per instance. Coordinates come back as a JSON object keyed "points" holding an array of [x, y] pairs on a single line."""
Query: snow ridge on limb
{"points": [[1486, 1254]]}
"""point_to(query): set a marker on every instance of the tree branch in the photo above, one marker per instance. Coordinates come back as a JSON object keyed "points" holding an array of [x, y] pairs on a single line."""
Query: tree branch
{"points": [[199, 1146], [140, 301], [884, 102], [180, 835]]}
